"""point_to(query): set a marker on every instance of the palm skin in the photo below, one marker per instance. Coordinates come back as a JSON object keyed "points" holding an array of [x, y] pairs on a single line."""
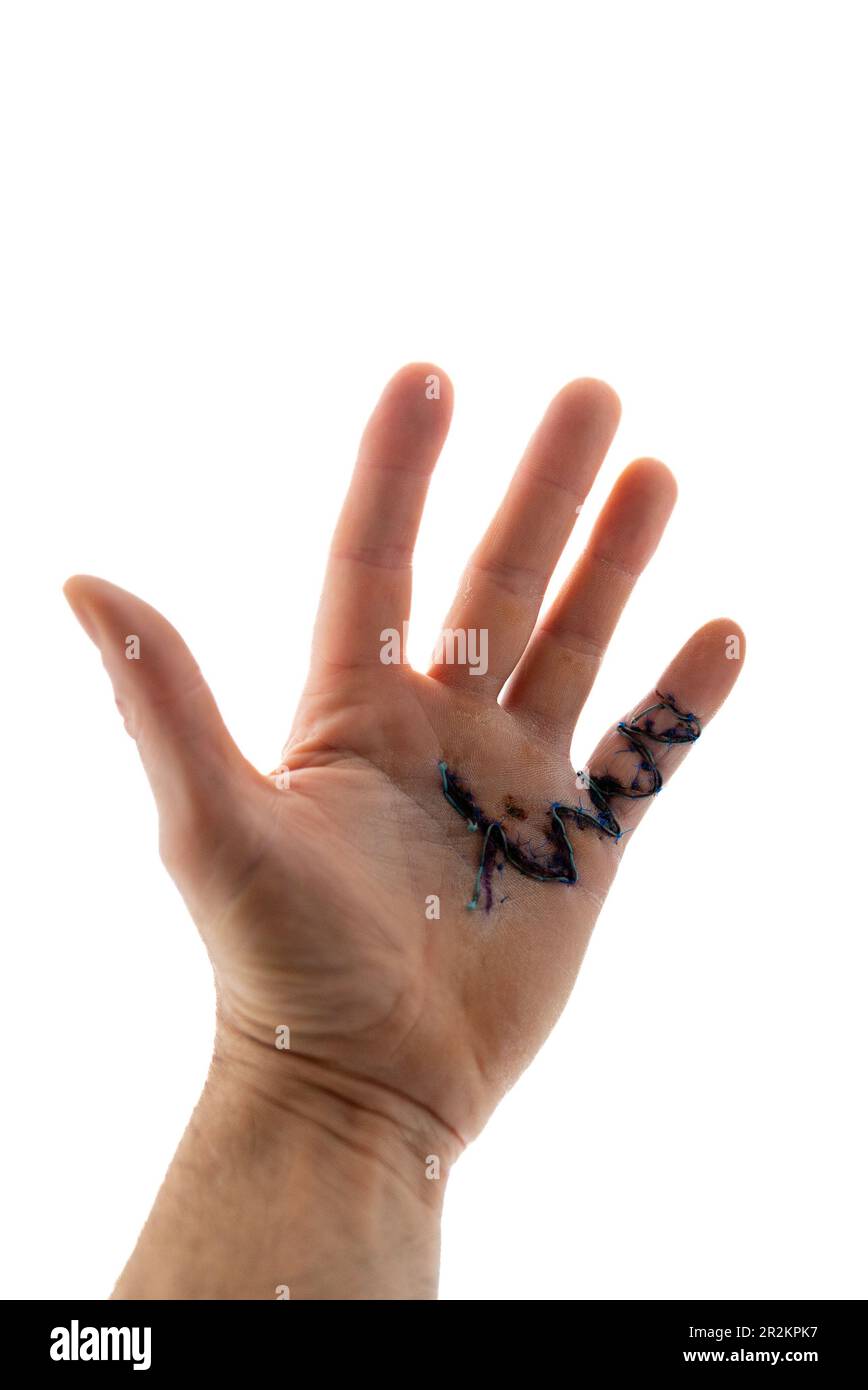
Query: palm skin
{"points": [[313, 898], [321, 924]]}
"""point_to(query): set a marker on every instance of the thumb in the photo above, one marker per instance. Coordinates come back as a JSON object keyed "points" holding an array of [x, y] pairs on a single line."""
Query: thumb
{"points": [[166, 706]]}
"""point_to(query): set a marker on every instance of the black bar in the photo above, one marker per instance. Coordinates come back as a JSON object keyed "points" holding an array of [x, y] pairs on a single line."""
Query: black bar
{"points": [[285, 1337]]}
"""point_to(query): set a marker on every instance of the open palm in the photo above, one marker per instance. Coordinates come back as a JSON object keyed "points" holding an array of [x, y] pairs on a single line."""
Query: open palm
{"points": [[333, 894]]}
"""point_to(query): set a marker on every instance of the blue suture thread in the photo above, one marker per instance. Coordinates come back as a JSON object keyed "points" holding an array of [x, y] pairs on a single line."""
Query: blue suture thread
{"points": [[560, 867]]}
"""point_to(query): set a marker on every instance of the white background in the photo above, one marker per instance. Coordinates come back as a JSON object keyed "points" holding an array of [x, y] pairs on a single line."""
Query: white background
{"points": [[223, 227]]}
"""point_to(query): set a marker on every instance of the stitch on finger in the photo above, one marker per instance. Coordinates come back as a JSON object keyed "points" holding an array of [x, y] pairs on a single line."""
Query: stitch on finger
{"points": [[558, 864]]}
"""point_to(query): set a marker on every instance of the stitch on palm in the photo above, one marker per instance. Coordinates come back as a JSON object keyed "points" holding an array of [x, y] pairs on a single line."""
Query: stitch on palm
{"points": [[559, 866]]}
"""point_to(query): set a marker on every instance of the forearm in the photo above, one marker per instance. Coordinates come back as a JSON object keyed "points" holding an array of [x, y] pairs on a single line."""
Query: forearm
{"points": [[312, 1189]]}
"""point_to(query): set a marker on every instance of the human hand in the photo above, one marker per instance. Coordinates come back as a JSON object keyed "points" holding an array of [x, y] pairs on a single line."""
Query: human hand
{"points": [[314, 887]]}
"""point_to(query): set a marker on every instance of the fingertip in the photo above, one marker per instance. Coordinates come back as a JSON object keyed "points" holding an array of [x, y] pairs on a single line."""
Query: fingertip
{"points": [[421, 384], [589, 396], [707, 667], [722, 634], [75, 584], [410, 421], [652, 476], [635, 515], [82, 588], [645, 489], [76, 591]]}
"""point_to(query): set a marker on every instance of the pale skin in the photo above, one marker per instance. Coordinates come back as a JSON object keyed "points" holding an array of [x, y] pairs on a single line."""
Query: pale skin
{"points": [[319, 1170]]}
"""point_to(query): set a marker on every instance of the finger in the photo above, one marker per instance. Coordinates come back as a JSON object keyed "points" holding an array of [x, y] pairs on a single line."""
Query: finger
{"points": [[166, 706], [638, 755], [559, 666], [368, 579], [505, 581]]}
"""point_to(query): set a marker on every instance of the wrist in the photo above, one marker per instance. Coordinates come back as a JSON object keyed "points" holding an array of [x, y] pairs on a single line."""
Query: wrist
{"points": [[360, 1122], [310, 1184]]}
